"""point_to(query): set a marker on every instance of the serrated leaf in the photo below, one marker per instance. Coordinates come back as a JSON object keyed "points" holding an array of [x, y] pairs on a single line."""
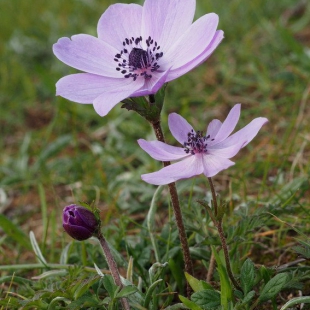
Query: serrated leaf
{"points": [[126, 291], [208, 299], [190, 304], [273, 287], [197, 285], [247, 276]]}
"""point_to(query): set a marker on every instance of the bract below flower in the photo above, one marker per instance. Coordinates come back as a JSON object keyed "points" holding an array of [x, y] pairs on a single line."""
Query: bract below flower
{"points": [[138, 49], [200, 153]]}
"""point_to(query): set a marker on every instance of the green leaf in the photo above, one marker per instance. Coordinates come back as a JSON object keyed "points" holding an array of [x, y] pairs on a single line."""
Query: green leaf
{"points": [[226, 288], [14, 232], [248, 297], [296, 301], [190, 304], [273, 287], [36, 248], [126, 291], [175, 270], [150, 221], [208, 299], [197, 285], [176, 307], [109, 285], [247, 276], [52, 149], [149, 293], [81, 289]]}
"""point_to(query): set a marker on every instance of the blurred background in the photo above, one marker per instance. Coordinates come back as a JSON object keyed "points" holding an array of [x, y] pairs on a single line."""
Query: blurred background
{"points": [[55, 152]]}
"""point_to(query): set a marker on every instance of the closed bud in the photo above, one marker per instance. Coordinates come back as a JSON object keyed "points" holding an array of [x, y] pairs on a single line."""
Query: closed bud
{"points": [[79, 222]]}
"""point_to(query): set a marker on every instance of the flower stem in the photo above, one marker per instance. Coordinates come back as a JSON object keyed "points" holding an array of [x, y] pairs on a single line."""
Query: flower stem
{"points": [[112, 266], [188, 264], [213, 196], [219, 226]]}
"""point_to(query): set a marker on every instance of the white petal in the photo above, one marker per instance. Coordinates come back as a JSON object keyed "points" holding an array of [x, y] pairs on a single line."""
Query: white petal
{"points": [[179, 127], [183, 169]]}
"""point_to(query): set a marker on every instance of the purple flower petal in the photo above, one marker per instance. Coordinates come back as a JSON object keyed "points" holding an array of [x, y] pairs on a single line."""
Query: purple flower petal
{"points": [[113, 95], [162, 151], [87, 53], [166, 20], [184, 169], [213, 128], [179, 127], [221, 150], [213, 165], [229, 124], [244, 135], [84, 87], [177, 72], [153, 85], [118, 22], [194, 41]]}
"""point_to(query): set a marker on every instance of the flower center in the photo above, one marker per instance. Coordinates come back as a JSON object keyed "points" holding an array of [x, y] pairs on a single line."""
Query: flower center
{"points": [[134, 61], [196, 143]]}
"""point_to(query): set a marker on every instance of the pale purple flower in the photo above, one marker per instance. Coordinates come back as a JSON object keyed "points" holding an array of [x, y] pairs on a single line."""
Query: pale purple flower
{"points": [[200, 153], [138, 49]]}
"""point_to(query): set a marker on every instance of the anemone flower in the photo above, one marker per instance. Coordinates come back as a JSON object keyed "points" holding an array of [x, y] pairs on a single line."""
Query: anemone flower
{"points": [[138, 49], [207, 154]]}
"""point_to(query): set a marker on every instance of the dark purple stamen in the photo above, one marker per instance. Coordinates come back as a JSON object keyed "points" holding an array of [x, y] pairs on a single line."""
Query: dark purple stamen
{"points": [[196, 143], [134, 61]]}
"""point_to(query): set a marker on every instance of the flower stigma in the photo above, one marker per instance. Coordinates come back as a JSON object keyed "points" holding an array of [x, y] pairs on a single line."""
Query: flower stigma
{"points": [[134, 61], [196, 143]]}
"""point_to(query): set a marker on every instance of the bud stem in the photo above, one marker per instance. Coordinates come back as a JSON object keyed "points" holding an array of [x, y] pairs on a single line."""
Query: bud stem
{"points": [[112, 266]]}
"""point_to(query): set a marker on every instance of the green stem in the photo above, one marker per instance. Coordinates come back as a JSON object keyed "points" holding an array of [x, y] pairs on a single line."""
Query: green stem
{"points": [[219, 226], [188, 264], [112, 266]]}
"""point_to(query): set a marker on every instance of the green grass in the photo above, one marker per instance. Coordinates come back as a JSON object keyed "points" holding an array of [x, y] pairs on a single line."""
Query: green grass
{"points": [[56, 152]]}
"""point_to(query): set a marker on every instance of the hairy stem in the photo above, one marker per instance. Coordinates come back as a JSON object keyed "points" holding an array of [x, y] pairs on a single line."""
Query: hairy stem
{"points": [[211, 268], [113, 267], [219, 227], [188, 264]]}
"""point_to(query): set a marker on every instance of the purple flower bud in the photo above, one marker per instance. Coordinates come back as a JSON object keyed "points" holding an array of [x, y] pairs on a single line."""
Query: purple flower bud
{"points": [[79, 222]]}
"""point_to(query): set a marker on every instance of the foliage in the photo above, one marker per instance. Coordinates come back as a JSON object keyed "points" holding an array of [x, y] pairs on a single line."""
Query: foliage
{"points": [[56, 152]]}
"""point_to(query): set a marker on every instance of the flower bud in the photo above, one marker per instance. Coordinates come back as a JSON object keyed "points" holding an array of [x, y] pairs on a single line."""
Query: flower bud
{"points": [[79, 222]]}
